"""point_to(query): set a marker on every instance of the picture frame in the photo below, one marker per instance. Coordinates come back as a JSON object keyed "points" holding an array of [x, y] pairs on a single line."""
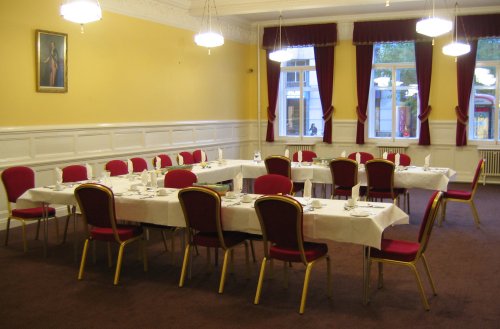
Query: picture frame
{"points": [[51, 62]]}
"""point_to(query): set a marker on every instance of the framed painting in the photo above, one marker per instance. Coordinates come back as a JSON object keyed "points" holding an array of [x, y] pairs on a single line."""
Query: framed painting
{"points": [[51, 62]]}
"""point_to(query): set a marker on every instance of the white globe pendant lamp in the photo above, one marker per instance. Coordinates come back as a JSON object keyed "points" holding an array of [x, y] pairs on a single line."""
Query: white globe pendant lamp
{"points": [[208, 37], [81, 11], [280, 54], [433, 26]]}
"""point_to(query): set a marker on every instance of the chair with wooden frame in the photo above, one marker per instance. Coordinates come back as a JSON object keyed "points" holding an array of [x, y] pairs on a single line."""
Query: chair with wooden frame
{"points": [[307, 156], [281, 222], [187, 158], [116, 167], [281, 165], [71, 174], [16, 181], [202, 212], [380, 181], [404, 160], [344, 176], [365, 156], [197, 156], [97, 204], [407, 253], [139, 164], [466, 196], [165, 161]]}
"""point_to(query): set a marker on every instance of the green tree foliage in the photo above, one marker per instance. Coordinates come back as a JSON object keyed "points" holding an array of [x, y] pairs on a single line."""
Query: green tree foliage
{"points": [[488, 49], [394, 52]]}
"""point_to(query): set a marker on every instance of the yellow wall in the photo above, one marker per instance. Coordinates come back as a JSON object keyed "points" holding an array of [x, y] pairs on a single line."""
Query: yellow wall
{"points": [[120, 70]]}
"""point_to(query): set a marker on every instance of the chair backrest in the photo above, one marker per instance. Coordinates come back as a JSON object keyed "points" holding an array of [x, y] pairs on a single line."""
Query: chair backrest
{"points": [[427, 224], [97, 204], [273, 184], [202, 209], [116, 167], [344, 172], [307, 156], [365, 156], [187, 158], [197, 156], [380, 174], [479, 170], [16, 181], [164, 160], [179, 178], [74, 173], [279, 165], [280, 220], [404, 159], [139, 164]]}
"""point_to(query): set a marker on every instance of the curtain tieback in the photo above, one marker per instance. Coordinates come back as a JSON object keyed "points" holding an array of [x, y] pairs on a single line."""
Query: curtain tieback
{"points": [[361, 116], [328, 114], [270, 116], [461, 117], [425, 115]]}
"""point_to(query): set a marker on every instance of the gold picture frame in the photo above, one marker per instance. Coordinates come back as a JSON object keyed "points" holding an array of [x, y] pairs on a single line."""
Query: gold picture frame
{"points": [[51, 62]]}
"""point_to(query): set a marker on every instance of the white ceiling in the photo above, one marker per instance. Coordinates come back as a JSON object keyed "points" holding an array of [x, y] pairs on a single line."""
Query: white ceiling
{"points": [[262, 11]]}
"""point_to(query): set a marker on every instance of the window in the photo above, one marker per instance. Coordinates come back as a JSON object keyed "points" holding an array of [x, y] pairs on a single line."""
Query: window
{"points": [[483, 109], [393, 99], [299, 107]]}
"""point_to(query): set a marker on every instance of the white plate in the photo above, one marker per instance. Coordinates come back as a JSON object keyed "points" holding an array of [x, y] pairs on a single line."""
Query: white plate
{"points": [[360, 213], [231, 197]]}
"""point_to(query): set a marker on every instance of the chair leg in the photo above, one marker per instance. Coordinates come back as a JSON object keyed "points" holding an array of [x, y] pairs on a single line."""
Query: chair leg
{"points": [[84, 258], [66, 224], [443, 212], [224, 270], [328, 277], [305, 288], [7, 232], [380, 275], [261, 280], [431, 281], [37, 230], [367, 280], [119, 263], [474, 211], [164, 237], [253, 251], [420, 287], [184, 265], [25, 242]]}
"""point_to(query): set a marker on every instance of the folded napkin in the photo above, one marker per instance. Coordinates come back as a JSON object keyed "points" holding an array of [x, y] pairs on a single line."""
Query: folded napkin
{"points": [[144, 177], [427, 161], [384, 156], [355, 192], [203, 156], [343, 154], [158, 163], [130, 166], [307, 189], [299, 156], [238, 183], [396, 159], [287, 153], [358, 157], [181, 159], [220, 154], [59, 175], [152, 178], [89, 171]]}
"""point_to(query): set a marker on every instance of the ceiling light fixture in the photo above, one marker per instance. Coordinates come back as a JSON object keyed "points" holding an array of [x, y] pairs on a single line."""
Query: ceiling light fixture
{"points": [[433, 26], [280, 54], [456, 48], [81, 11], [207, 37]]}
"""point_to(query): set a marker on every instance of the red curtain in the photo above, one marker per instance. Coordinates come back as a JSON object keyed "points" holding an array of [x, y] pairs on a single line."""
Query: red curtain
{"points": [[465, 76], [386, 31], [301, 35], [273, 81], [324, 57], [478, 26], [364, 54], [423, 62]]}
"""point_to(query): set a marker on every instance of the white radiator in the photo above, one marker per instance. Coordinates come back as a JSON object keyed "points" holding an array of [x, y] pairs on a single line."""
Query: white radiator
{"points": [[299, 147], [391, 149], [491, 162]]}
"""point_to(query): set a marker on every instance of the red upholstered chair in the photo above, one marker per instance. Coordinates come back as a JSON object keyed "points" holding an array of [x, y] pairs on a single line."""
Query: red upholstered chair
{"points": [[116, 167], [139, 164], [466, 196], [197, 157], [179, 178], [365, 156], [16, 181], [404, 159], [273, 184], [164, 159], [186, 157], [281, 165], [97, 204], [344, 177], [307, 156], [281, 220], [380, 178], [408, 253], [202, 212], [72, 173]]}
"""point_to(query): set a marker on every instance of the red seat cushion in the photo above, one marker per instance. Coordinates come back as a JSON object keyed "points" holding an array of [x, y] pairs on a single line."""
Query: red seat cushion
{"points": [[396, 250], [125, 232], [32, 213], [312, 251], [458, 194], [211, 239]]}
